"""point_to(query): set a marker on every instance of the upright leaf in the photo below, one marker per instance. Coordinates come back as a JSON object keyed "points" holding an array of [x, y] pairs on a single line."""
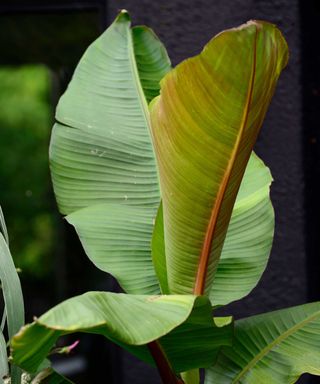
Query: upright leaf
{"points": [[101, 151], [204, 126], [272, 348]]}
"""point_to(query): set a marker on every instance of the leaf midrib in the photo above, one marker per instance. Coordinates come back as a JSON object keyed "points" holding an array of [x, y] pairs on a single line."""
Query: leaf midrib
{"points": [[277, 341], [200, 282]]}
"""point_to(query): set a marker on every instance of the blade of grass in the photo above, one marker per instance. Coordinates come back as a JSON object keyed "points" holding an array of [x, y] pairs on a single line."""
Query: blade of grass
{"points": [[12, 293], [3, 357], [3, 227]]}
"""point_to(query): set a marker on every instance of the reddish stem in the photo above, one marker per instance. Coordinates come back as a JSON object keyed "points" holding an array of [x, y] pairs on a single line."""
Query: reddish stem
{"points": [[164, 367]]}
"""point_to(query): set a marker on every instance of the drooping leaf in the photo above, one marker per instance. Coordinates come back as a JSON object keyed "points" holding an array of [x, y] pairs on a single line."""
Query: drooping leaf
{"points": [[132, 321], [4, 369], [249, 237], [101, 151], [204, 125], [117, 239], [272, 348]]}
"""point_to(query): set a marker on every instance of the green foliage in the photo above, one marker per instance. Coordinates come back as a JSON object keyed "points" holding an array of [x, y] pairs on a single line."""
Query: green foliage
{"points": [[207, 243], [276, 347], [25, 119]]}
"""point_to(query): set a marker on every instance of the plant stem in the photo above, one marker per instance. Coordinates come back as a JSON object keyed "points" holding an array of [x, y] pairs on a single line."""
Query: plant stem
{"points": [[164, 367]]}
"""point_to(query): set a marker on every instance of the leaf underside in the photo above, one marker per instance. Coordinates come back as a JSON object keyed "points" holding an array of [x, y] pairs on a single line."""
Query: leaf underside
{"points": [[122, 318], [101, 152]]}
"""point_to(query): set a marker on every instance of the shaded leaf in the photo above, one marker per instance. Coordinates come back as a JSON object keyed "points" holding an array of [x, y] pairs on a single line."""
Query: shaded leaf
{"points": [[271, 348]]}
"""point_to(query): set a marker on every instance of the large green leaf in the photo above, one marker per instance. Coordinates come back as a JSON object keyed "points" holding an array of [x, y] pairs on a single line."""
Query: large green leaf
{"points": [[130, 320], [272, 348], [101, 151], [204, 125], [117, 239], [249, 237]]}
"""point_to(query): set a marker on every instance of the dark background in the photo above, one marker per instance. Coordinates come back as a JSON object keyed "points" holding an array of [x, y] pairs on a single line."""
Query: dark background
{"points": [[56, 33]]}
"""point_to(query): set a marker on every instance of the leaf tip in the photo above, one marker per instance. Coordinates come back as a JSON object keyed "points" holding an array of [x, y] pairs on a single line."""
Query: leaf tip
{"points": [[123, 16]]}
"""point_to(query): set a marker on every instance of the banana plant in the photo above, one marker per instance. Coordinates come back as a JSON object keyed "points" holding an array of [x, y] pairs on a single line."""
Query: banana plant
{"points": [[154, 167]]}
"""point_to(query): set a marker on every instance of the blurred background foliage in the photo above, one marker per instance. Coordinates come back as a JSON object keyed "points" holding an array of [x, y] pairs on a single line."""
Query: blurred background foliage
{"points": [[25, 123]]}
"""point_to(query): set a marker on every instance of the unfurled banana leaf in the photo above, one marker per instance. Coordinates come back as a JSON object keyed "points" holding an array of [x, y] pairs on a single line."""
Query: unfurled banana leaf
{"points": [[272, 348], [130, 320], [204, 126], [101, 151]]}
